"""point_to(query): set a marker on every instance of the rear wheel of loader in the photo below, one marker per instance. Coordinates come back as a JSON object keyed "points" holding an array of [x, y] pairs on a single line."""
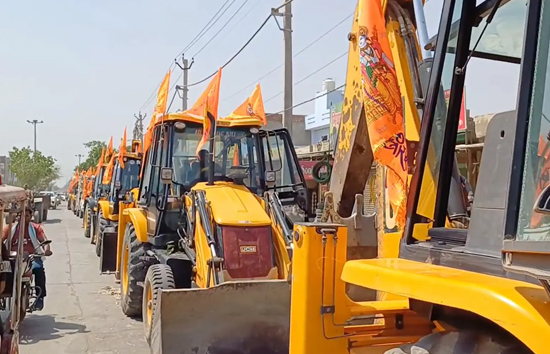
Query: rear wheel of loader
{"points": [[463, 342], [132, 272], [159, 276], [87, 221]]}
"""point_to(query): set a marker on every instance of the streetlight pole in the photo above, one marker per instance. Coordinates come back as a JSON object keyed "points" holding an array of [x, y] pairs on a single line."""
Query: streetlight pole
{"points": [[79, 157], [34, 122]]}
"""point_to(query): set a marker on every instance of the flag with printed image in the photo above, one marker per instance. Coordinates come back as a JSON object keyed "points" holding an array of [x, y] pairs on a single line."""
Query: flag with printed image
{"points": [[383, 103]]}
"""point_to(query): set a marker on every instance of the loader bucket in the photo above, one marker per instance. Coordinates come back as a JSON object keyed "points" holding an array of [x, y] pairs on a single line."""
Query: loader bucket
{"points": [[233, 318], [108, 250]]}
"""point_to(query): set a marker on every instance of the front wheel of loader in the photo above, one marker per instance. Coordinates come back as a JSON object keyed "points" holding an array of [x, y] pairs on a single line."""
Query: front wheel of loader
{"points": [[132, 271], [159, 276], [87, 221], [461, 342], [103, 223]]}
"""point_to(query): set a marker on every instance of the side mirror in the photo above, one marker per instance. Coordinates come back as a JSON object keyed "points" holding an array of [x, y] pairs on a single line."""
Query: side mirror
{"points": [[542, 203], [270, 178], [166, 175]]}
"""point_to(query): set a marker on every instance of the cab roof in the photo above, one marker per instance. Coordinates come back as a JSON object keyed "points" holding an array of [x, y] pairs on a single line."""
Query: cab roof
{"points": [[221, 122]]}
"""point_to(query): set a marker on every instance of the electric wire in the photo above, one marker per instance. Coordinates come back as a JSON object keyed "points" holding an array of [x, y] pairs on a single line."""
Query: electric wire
{"points": [[236, 54], [188, 46], [310, 75], [213, 23], [294, 56], [221, 29], [306, 101]]}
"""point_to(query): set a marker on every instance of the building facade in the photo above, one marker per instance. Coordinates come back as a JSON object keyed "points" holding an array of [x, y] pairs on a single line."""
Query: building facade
{"points": [[7, 175], [319, 123]]}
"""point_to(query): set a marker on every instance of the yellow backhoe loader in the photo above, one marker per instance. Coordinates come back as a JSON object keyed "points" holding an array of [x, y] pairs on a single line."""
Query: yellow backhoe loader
{"points": [[122, 194], [100, 191], [203, 262], [480, 284]]}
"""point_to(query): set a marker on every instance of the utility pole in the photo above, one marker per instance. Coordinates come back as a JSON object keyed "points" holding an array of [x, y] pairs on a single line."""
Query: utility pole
{"points": [[79, 157], [34, 123], [287, 32], [138, 126], [185, 90]]}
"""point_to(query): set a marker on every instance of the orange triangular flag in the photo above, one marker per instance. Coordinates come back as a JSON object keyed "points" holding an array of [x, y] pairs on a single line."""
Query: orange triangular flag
{"points": [[101, 158], [207, 106], [209, 99], [122, 150], [110, 148], [253, 107], [109, 171], [160, 108]]}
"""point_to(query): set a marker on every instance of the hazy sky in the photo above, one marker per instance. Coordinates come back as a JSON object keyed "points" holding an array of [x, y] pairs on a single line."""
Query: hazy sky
{"points": [[86, 66]]}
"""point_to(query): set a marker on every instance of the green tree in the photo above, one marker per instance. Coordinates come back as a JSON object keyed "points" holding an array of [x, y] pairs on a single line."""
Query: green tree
{"points": [[33, 169], [94, 153]]}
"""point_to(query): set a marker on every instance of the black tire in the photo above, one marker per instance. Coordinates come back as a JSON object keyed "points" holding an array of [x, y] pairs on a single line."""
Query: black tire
{"points": [[87, 221], [103, 223], [159, 276], [462, 342], [131, 293]]}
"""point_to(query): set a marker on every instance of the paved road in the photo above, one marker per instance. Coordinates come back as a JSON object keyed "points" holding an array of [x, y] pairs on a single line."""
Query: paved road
{"points": [[81, 313]]}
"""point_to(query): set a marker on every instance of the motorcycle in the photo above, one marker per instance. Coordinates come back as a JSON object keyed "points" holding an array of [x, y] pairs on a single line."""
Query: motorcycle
{"points": [[29, 292]]}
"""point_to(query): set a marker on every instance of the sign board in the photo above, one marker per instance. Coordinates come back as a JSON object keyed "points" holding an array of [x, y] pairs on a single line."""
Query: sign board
{"points": [[462, 117]]}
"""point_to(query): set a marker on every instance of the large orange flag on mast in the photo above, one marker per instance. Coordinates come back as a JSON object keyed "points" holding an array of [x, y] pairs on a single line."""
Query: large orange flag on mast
{"points": [[252, 107], [160, 108], [109, 148], [207, 105], [382, 102], [122, 149]]}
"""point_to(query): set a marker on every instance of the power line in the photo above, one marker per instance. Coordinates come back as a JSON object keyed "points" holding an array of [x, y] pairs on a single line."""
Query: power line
{"points": [[204, 29], [221, 29], [213, 23], [188, 46], [236, 54], [307, 101], [310, 75], [295, 55]]}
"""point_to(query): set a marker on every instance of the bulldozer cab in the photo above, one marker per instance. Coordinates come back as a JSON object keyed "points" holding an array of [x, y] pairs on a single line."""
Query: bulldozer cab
{"points": [[100, 190], [260, 160], [124, 180], [509, 219]]}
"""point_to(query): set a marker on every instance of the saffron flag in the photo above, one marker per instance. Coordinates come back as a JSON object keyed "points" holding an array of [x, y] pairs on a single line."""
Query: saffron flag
{"points": [[109, 171], [207, 106], [253, 107], [160, 108], [109, 152], [100, 161], [382, 103], [122, 150]]}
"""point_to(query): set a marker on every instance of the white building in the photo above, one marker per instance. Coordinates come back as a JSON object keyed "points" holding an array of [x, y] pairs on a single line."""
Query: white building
{"points": [[318, 123]]}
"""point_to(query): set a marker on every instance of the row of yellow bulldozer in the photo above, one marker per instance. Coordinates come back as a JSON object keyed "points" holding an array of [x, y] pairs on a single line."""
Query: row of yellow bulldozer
{"points": [[218, 249]]}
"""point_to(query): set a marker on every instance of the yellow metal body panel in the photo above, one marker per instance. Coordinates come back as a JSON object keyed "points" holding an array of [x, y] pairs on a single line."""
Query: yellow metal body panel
{"points": [[234, 205], [521, 308], [123, 220], [138, 218], [105, 208], [318, 262]]}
